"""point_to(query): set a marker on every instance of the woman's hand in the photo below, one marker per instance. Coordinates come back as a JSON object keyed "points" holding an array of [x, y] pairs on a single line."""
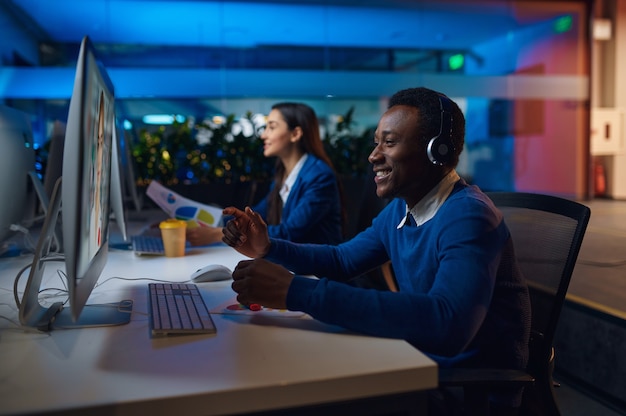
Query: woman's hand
{"points": [[201, 236]]}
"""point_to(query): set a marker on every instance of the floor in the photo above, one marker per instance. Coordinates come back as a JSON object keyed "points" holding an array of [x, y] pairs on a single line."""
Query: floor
{"points": [[574, 402], [599, 279], [600, 273]]}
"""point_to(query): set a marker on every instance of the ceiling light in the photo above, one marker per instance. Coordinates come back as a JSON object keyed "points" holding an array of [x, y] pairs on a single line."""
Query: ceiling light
{"points": [[162, 118]]}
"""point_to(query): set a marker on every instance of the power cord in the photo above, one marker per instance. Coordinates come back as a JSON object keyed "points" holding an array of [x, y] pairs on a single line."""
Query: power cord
{"points": [[137, 279], [121, 306], [21, 272], [29, 243]]}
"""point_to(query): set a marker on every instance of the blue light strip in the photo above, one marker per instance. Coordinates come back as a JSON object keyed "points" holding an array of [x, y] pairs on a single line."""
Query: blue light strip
{"points": [[162, 119]]}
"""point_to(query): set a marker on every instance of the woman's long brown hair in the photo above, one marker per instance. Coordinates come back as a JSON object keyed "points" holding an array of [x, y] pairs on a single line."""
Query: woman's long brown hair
{"points": [[303, 116]]}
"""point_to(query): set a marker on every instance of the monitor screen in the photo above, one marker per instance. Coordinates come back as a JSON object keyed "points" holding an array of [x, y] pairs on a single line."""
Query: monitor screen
{"points": [[17, 159], [87, 195]]}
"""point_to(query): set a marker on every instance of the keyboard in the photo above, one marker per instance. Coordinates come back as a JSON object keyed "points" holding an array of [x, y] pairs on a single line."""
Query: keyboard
{"points": [[147, 245], [178, 308]]}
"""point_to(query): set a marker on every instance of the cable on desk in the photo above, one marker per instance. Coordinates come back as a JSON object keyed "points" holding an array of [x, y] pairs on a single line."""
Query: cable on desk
{"points": [[28, 266], [133, 279], [29, 243], [119, 305]]}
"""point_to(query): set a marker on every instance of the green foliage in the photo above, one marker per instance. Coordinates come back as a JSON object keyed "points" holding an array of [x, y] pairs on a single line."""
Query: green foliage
{"points": [[231, 151], [202, 153], [157, 153], [347, 150]]}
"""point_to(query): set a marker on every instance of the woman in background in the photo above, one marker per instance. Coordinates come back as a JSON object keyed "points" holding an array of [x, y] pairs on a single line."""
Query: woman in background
{"points": [[304, 202]]}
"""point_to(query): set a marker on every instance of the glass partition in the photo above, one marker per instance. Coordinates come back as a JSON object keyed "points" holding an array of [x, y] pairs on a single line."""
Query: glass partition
{"points": [[519, 69]]}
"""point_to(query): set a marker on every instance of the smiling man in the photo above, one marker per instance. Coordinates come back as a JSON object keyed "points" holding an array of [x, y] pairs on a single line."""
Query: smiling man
{"points": [[461, 297]]}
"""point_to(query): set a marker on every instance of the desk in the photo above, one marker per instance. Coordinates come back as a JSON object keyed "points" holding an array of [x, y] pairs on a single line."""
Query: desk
{"points": [[253, 364]]}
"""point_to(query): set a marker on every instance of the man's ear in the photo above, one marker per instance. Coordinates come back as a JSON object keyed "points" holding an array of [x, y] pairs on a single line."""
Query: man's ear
{"points": [[296, 134]]}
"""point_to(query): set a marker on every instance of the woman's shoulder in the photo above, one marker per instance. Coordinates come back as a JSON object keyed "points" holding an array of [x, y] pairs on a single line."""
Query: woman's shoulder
{"points": [[315, 164]]}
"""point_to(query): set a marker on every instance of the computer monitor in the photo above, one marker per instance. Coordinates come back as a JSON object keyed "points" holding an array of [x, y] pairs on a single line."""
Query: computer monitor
{"points": [[127, 167], [87, 190], [117, 191], [17, 159]]}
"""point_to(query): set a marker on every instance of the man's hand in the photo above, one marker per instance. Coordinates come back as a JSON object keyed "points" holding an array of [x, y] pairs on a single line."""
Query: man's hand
{"points": [[262, 282], [246, 232]]}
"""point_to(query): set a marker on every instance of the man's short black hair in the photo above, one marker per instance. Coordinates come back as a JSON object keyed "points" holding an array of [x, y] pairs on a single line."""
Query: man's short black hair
{"points": [[429, 110]]}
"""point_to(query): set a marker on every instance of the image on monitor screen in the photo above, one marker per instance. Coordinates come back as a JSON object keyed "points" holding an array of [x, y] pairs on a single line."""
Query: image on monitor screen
{"points": [[87, 194]]}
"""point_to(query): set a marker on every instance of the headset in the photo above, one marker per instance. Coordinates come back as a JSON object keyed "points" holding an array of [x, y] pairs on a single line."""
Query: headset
{"points": [[440, 148]]}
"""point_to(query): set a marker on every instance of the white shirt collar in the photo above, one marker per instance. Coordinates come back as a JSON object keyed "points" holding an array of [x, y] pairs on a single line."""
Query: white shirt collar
{"points": [[428, 206], [291, 179]]}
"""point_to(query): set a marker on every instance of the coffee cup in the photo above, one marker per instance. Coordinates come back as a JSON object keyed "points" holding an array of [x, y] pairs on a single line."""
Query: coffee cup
{"points": [[173, 235]]}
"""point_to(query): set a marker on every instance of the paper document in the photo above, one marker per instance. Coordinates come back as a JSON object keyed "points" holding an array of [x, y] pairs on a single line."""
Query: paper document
{"points": [[179, 207], [233, 307]]}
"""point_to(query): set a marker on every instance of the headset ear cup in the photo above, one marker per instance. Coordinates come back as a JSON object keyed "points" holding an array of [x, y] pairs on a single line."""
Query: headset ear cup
{"points": [[429, 151], [438, 150]]}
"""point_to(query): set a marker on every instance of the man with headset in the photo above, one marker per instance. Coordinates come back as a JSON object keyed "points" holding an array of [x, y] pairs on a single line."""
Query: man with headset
{"points": [[461, 298]]}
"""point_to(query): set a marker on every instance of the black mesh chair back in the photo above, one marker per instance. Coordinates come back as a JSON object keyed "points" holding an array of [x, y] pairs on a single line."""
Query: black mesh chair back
{"points": [[547, 233]]}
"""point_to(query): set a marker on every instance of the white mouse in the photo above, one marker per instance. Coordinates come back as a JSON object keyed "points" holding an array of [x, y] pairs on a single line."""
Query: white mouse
{"points": [[211, 273]]}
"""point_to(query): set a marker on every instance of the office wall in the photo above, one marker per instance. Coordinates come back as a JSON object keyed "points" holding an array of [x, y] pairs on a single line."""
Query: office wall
{"points": [[616, 165], [16, 39], [609, 87], [541, 143], [555, 159], [552, 161]]}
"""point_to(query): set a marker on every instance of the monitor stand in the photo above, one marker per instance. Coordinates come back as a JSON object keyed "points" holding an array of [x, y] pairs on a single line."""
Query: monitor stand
{"points": [[45, 318], [104, 314]]}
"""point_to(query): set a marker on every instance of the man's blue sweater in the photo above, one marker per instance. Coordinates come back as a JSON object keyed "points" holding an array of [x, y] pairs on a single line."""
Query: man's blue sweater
{"points": [[462, 299]]}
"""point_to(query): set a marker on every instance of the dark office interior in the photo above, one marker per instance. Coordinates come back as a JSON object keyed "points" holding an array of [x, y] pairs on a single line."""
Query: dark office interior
{"points": [[540, 82]]}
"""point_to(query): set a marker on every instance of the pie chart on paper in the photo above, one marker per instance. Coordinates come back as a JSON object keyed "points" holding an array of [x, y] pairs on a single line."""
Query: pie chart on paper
{"points": [[202, 217], [177, 206]]}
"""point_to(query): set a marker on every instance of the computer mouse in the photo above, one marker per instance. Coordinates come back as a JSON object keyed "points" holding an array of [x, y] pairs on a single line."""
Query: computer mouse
{"points": [[211, 273]]}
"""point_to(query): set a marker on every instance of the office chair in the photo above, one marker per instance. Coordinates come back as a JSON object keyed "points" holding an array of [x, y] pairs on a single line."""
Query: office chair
{"points": [[547, 233]]}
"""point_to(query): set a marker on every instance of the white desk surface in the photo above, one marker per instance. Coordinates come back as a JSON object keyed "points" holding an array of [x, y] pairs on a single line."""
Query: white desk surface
{"points": [[254, 363]]}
